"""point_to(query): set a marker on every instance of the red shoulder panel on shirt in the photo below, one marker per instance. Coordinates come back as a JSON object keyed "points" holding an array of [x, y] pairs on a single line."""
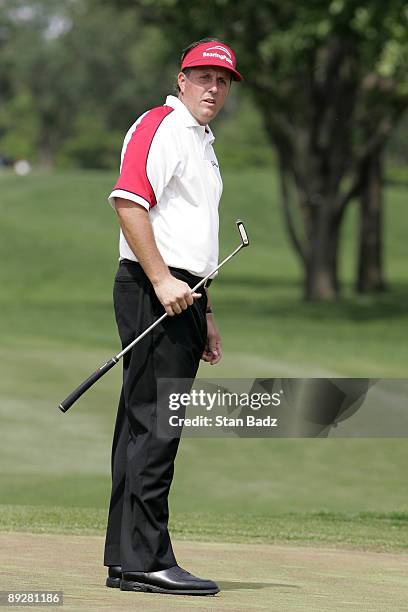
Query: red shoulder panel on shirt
{"points": [[133, 175]]}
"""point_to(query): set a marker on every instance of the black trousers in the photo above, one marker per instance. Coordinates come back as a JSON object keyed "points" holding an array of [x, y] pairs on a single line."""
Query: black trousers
{"points": [[142, 464]]}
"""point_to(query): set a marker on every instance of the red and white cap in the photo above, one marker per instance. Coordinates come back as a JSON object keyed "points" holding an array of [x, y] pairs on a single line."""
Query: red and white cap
{"points": [[212, 53]]}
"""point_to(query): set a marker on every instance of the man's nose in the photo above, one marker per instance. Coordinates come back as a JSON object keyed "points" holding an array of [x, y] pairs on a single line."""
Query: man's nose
{"points": [[214, 85]]}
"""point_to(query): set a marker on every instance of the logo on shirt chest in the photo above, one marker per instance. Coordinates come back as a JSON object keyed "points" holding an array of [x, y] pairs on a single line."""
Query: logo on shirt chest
{"points": [[214, 163]]}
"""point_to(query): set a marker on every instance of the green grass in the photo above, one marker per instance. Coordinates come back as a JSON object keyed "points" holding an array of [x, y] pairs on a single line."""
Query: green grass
{"points": [[363, 530], [59, 255], [61, 250], [251, 476]]}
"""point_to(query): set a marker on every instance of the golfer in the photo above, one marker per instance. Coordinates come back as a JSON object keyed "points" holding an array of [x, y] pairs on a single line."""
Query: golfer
{"points": [[166, 200]]}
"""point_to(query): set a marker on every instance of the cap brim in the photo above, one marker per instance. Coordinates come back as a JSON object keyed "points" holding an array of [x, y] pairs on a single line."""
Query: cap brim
{"points": [[236, 76]]}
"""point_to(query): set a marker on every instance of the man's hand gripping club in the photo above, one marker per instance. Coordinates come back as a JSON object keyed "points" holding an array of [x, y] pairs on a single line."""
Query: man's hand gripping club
{"points": [[174, 294]]}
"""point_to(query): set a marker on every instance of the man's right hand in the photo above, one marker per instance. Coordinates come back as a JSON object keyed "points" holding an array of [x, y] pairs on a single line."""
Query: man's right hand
{"points": [[174, 294]]}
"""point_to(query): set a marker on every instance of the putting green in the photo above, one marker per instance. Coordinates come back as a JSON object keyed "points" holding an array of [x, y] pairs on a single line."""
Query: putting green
{"points": [[251, 577]]}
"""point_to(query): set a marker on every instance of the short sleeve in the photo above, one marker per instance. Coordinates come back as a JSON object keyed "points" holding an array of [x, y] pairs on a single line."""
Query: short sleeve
{"points": [[149, 159]]}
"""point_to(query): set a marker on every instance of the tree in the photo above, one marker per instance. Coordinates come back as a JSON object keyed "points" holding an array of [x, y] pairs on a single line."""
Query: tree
{"points": [[385, 103], [81, 84], [308, 67], [30, 119]]}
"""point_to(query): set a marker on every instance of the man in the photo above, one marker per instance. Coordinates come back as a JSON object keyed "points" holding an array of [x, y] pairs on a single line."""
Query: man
{"points": [[166, 199]]}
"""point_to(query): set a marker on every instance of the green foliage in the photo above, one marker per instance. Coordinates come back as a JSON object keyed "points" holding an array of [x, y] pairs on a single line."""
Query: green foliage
{"points": [[241, 141], [92, 144], [281, 46], [19, 126], [83, 75], [78, 63]]}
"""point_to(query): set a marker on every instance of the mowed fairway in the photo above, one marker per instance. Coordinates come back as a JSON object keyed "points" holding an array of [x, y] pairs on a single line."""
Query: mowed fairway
{"points": [[241, 499]]}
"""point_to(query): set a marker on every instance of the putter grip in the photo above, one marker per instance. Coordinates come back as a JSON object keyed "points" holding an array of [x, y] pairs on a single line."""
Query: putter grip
{"points": [[76, 394]]}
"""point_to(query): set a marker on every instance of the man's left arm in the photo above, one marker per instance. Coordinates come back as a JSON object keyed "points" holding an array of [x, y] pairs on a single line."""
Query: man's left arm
{"points": [[213, 351]]}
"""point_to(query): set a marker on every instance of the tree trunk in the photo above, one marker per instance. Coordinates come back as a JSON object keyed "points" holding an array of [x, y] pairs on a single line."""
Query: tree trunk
{"points": [[321, 273], [370, 273]]}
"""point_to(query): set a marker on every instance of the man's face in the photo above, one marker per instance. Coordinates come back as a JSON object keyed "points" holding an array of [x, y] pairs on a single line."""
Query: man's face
{"points": [[204, 91]]}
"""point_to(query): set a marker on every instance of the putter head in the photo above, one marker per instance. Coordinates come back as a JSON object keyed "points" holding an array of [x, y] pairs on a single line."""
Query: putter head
{"points": [[242, 233]]}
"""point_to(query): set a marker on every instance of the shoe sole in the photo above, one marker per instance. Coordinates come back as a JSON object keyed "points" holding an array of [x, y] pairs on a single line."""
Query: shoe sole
{"points": [[113, 583], [126, 585]]}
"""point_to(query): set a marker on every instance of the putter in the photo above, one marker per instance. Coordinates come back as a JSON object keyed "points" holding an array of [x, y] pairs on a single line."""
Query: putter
{"points": [[80, 390]]}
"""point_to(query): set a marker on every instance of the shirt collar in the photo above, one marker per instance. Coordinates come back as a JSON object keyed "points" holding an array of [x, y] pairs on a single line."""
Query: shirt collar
{"points": [[188, 119]]}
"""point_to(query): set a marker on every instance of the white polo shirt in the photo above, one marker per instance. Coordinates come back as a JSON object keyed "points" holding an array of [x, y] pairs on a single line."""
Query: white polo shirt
{"points": [[168, 165]]}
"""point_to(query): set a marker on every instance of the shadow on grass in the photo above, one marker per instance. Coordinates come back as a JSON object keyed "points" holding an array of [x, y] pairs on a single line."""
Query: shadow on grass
{"points": [[283, 299], [256, 297], [241, 586]]}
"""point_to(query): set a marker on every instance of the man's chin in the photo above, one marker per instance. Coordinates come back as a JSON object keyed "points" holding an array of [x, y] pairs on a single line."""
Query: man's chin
{"points": [[207, 116]]}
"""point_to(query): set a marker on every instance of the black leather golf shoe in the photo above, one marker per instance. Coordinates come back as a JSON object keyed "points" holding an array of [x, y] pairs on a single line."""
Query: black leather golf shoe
{"points": [[174, 580], [114, 577]]}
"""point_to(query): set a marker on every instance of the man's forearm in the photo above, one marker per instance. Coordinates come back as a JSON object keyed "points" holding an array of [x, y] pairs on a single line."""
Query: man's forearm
{"points": [[137, 229]]}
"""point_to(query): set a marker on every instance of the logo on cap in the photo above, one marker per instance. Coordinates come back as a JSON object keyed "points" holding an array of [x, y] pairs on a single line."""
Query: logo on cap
{"points": [[221, 57]]}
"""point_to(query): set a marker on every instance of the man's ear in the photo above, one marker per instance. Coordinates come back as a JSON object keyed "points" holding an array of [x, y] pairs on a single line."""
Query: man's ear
{"points": [[181, 81]]}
